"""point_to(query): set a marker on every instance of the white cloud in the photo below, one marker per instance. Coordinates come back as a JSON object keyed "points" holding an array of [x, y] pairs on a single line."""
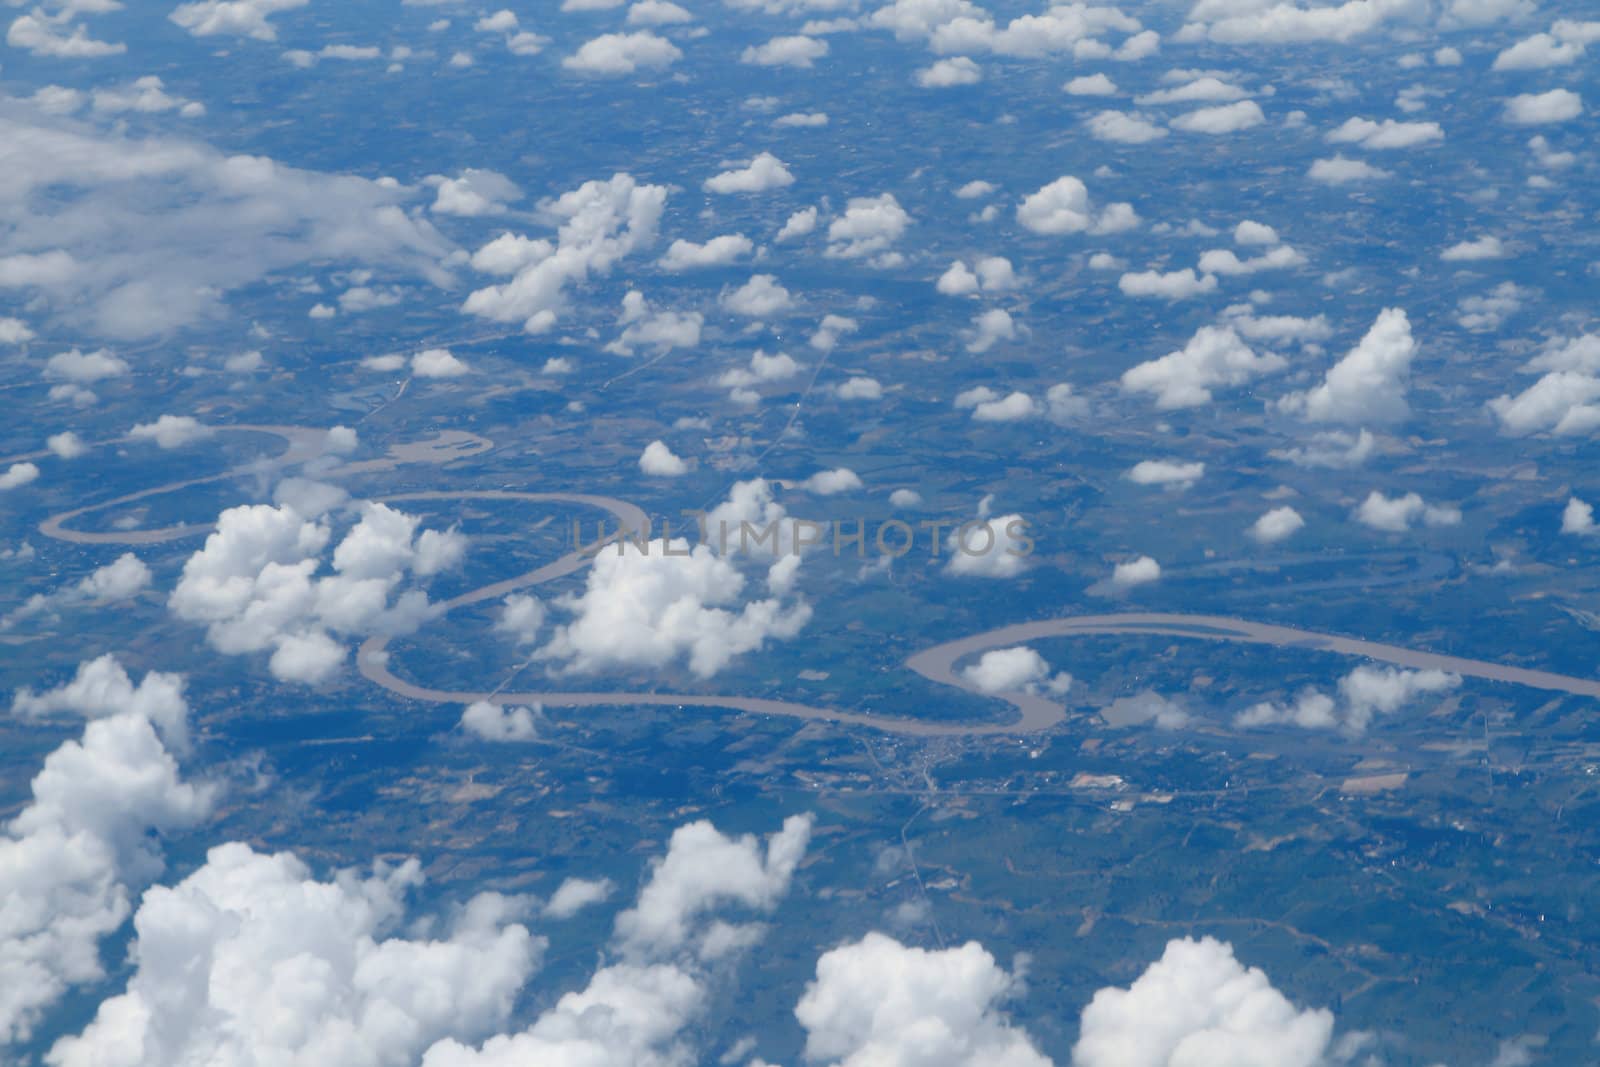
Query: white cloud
{"points": [[72, 857], [989, 546], [1173, 285], [238, 18], [1199, 1006], [41, 34], [799, 224], [255, 586], [657, 13], [66, 444], [1578, 517], [1224, 118], [575, 894], [1277, 525], [496, 722], [1332, 449], [765, 172], [801, 120], [1168, 473], [1250, 232], [860, 388], [1121, 127], [18, 475], [1009, 670], [1389, 134], [1214, 357], [1398, 514], [990, 328], [84, 368], [1134, 572], [869, 226], [877, 1002], [1369, 383], [600, 223], [1473, 251], [759, 298], [661, 331], [658, 461], [832, 482], [1226, 261], [171, 431], [650, 607], [1063, 207], [437, 363], [1090, 85], [793, 51], [717, 252], [1342, 171], [948, 73], [1487, 311], [14, 332], [474, 194], [623, 53], [1363, 694], [1535, 109], [1285, 22], [1205, 88]]}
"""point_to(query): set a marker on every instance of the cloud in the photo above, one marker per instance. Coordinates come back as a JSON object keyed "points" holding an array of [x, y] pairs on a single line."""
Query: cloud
{"points": [[1171, 474], [237, 18], [661, 331], [1214, 357], [1224, 118], [474, 194], [1397, 514], [799, 224], [1489, 310], [1474, 251], [948, 73], [255, 584], [1121, 127], [1342, 171], [1010, 670], [1276, 525], [1564, 45], [72, 857], [1200, 1007], [759, 298], [1146, 707], [989, 328], [1535, 109], [794, 51], [251, 959], [652, 606], [1227, 262], [18, 475], [623, 53], [1369, 383], [1134, 572], [84, 368], [989, 546], [717, 252], [1387, 134], [171, 431], [1262, 22], [832, 482], [1207, 87], [1561, 401], [876, 1001], [1063, 207], [41, 34], [1090, 85], [1578, 517], [437, 363], [599, 224], [1363, 694], [1332, 449], [496, 722], [657, 13], [869, 227], [133, 237], [658, 461], [763, 173], [1173, 285]]}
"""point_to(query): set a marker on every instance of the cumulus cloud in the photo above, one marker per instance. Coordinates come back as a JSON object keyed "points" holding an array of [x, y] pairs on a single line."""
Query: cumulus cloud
{"points": [[1199, 1005], [1276, 525], [1474, 251], [654, 605], [18, 475], [1214, 357], [237, 18], [1342, 171], [659, 461], [1172, 474], [170, 431], [1064, 207], [473, 194], [1389, 133], [660, 331], [800, 224], [792, 51], [1369, 383], [1262, 22], [599, 224], [44, 34], [437, 363], [1363, 695], [1578, 517], [623, 53], [1123, 127], [1221, 119], [575, 894], [496, 722], [1332, 449], [765, 172], [759, 298], [869, 227], [1398, 514], [1010, 670], [717, 252], [989, 546], [876, 1001], [72, 858], [1134, 572], [255, 584], [1538, 109], [948, 73], [832, 482], [1172, 285]]}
